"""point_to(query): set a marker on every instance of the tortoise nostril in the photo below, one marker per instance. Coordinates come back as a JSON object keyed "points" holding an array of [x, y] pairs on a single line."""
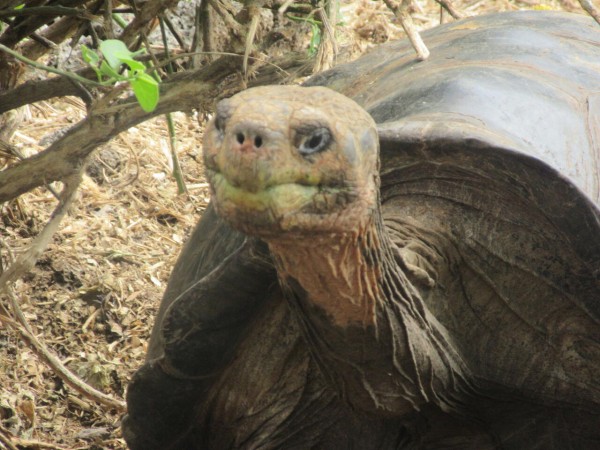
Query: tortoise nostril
{"points": [[249, 137]]}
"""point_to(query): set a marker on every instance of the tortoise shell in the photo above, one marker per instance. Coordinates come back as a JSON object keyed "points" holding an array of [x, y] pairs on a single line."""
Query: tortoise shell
{"points": [[491, 146]]}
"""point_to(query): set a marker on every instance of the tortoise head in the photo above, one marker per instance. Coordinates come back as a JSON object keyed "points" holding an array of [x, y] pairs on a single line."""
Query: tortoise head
{"points": [[290, 159]]}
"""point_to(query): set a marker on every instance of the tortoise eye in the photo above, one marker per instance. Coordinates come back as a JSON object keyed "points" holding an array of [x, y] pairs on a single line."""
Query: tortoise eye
{"points": [[316, 141]]}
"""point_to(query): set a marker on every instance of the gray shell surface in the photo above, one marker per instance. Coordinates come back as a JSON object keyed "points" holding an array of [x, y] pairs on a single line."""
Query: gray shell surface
{"points": [[525, 90], [513, 99]]}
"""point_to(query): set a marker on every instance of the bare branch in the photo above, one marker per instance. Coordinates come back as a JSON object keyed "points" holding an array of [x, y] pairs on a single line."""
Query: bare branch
{"points": [[34, 91], [24, 28], [448, 6], [40, 66], [27, 260], [175, 33], [6, 440], [254, 12], [401, 12], [51, 11], [55, 364], [328, 49], [65, 156], [588, 6], [183, 92], [145, 18]]}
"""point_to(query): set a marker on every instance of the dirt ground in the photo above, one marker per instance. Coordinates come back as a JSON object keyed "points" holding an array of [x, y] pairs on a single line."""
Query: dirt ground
{"points": [[93, 294]]}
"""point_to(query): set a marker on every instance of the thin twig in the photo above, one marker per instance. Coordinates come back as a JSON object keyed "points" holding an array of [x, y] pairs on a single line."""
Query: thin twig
{"points": [[165, 40], [401, 12], [448, 6], [174, 32], [6, 439], [56, 365], [25, 443], [186, 55], [254, 12], [283, 8], [202, 39], [144, 18], [37, 65], [227, 14], [328, 49], [108, 20], [590, 9], [28, 259], [177, 172], [43, 40]]}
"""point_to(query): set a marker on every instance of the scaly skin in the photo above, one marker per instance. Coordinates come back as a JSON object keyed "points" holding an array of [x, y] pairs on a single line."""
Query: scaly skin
{"points": [[273, 188], [383, 314], [458, 310], [319, 212], [363, 308]]}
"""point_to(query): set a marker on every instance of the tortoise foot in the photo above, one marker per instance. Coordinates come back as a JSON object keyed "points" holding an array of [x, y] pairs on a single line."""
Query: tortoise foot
{"points": [[160, 410]]}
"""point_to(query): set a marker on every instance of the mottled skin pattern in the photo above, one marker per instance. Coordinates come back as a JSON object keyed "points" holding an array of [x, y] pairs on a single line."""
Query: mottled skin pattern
{"points": [[349, 283], [282, 195], [332, 255], [368, 287], [267, 186], [438, 307]]}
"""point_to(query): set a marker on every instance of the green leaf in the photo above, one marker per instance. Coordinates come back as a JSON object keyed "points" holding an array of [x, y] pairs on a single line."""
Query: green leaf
{"points": [[92, 59], [113, 51], [139, 52], [89, 55], [134, 66], [145, 89], [109, 72], [315, 40]]}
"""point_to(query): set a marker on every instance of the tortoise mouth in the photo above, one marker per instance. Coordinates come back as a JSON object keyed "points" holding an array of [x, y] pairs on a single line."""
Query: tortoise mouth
{"points": [[279, 207]]}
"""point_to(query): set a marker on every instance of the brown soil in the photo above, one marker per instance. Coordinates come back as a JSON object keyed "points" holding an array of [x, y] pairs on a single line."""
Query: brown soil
{"points": [[93, 294]]}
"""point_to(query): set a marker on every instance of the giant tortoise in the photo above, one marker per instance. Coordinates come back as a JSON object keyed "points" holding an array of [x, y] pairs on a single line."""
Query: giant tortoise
{"points": [[412, 261]]}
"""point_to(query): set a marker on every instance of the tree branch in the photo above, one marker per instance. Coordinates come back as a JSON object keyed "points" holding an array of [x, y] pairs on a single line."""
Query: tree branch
{"points": [[448, 6], [5, 439], [66, 155], [589, 7], [35, 91], [183, 92], [52, 11], [40, 66], [151, 9], [401, 13], [20, 29]]}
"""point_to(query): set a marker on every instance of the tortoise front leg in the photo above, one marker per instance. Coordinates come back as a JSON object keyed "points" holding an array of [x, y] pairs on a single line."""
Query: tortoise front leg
{"points": [[199, 333]]}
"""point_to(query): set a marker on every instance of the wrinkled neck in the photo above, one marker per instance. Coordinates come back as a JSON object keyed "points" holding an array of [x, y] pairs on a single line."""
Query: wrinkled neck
{"points": [[366, 324], [341, 274]]}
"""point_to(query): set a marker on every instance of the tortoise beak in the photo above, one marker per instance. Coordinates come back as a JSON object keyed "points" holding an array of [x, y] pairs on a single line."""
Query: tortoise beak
{"points": [[246, 168], [278, 166]]}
